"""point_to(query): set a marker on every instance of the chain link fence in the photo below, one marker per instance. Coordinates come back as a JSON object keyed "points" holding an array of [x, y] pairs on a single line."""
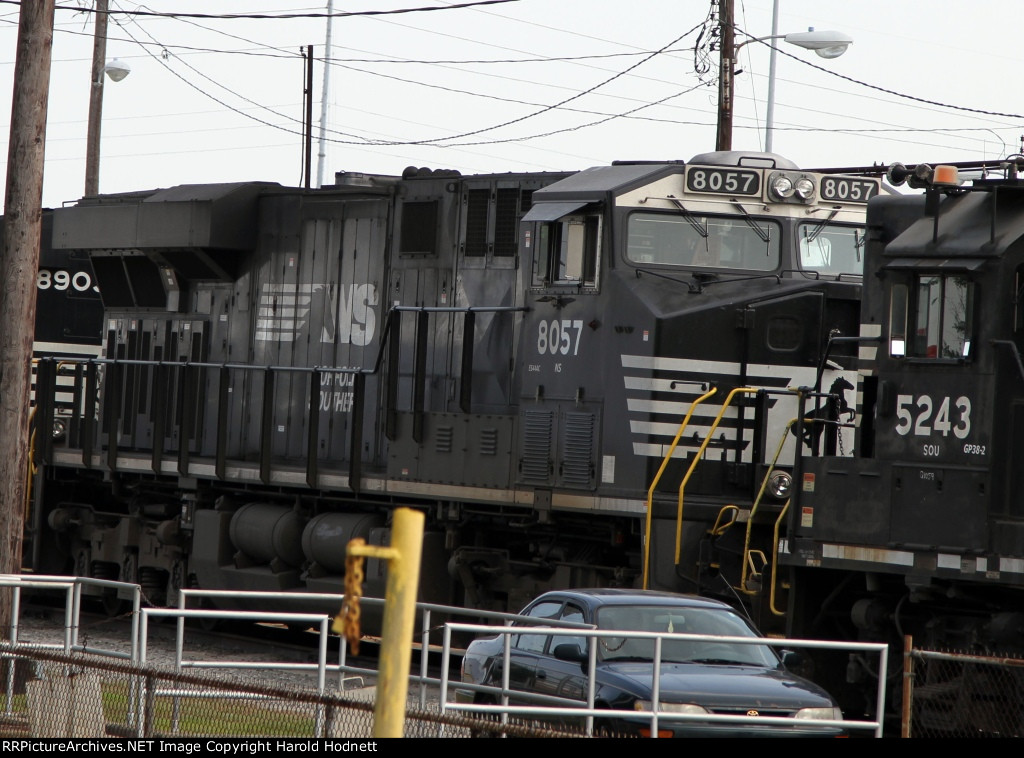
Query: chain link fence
{"points": [[960, 695], [51, 694]]}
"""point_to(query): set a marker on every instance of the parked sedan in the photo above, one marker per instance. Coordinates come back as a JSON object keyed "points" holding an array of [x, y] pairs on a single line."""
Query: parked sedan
{"points": [[696, 677]]}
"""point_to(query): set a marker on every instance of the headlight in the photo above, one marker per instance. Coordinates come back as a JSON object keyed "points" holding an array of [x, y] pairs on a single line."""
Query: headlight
{"points": [[780, 484], [804, 188], [688, 708], [60, 428], [820, 714], [782, 186]]}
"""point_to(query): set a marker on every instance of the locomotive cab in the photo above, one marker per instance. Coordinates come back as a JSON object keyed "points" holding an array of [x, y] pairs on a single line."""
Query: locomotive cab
{"points": [[652, 284]]}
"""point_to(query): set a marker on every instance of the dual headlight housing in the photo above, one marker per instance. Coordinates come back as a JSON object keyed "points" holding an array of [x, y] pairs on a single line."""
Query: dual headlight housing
{"points": [[792, 186]]}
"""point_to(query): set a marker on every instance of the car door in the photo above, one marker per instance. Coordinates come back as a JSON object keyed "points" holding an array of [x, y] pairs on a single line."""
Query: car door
{"points": [[558, 678], [525, 650]]}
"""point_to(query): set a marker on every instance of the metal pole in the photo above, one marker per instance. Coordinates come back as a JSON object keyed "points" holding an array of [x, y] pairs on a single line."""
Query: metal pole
{"points": [[725, 72], [92, 142], [322, 155], [399, 619], [769, 118]]}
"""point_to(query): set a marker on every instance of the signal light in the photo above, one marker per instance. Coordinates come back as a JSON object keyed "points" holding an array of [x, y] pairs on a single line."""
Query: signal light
{"points": [[946, 176]]}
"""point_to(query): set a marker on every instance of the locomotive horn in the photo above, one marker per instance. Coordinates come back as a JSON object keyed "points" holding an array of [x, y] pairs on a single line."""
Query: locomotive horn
{"points": [[897, 174]]}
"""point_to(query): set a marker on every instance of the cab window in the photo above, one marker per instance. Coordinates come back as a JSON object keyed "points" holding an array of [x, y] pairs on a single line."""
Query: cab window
{"points": [[831, 248], [702, 241], [932, 318], [567, 251]]}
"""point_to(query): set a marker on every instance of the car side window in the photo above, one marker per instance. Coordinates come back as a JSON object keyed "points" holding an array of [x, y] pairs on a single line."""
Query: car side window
{"points": [[541, 612], [574, 614]]}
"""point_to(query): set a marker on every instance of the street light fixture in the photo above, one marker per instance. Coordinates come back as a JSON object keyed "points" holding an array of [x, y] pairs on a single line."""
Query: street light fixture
{"points": [[117, 70], [827, 45]]}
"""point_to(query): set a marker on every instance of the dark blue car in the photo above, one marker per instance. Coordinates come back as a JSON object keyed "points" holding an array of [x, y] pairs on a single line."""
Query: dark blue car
{"points": [[697, 677]]}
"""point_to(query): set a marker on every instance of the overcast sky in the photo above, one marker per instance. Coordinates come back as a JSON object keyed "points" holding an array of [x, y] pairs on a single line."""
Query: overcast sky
{"points": [[525, 85]]}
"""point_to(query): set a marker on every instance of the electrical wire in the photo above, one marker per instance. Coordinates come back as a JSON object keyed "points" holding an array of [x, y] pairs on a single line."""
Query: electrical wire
{"points": [[282, 16]]}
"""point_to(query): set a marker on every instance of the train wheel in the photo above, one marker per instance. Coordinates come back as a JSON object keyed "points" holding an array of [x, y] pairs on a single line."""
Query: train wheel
{"points": [[113, 605]]}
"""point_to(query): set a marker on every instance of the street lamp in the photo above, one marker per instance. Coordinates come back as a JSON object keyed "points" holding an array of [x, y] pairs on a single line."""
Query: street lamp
{"points": [[827, 44], [116, 70]]}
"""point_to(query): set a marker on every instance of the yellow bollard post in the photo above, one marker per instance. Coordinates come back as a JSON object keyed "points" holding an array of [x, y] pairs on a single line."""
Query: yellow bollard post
{"points": [[399, 620]]}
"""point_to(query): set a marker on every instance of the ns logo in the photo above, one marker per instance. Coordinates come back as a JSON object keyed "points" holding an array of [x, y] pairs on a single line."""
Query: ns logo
{"points": [[351, 317], [322, 313]]}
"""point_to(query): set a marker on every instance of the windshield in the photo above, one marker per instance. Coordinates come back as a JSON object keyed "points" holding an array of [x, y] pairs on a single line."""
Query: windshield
{"points": [[680, 621], [831, 248], [706, 241]]}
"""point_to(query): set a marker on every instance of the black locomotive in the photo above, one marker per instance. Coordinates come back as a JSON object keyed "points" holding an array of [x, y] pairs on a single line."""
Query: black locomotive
{"points": [[921, 532], [537, 361]]}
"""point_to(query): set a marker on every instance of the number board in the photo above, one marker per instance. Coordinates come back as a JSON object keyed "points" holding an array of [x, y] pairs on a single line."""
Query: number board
{"points": [[848, 189], [723, 181]]}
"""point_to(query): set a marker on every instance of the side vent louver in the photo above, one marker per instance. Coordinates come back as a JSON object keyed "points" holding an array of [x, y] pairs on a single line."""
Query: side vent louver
{"points": [[578, 449], [488, 442], [536, 452], [443, 439]]}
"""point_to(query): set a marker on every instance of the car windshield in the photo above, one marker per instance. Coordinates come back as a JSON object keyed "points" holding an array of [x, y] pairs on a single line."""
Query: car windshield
{"points": [[680, 621]]}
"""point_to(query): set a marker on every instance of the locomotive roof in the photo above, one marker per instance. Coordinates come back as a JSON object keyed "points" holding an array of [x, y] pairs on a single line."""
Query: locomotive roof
{"points": [[966, 232], [593, 184], [186, 216]]}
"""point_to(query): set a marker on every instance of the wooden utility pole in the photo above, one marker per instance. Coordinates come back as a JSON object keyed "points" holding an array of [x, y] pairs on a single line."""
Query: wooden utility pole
{"points": [[725, 71], [308, 117], [92, 142], [23, 218]]}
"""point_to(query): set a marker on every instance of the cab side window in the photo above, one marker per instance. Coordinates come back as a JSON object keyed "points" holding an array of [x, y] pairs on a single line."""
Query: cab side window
{"points": [[934, 318], [567, 251]]}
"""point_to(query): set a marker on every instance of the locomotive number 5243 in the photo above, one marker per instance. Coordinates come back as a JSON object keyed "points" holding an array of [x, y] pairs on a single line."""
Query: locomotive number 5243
{"points": [[925, 416]]}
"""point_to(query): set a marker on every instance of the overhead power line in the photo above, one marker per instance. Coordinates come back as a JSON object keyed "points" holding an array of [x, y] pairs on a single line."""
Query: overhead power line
{"points": [[279, 16]]}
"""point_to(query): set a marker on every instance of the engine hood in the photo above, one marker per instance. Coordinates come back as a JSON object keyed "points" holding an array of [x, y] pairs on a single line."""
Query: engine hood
{"points": [[716, 685]]}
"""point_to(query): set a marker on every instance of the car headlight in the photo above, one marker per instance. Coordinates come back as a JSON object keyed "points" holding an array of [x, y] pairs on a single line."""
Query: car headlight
{"points": [[780, 484], [820, 714], [60, 428], [690, 709]]}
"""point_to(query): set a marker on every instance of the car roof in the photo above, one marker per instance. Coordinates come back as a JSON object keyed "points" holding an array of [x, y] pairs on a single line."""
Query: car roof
{"points": [[609, 596]]}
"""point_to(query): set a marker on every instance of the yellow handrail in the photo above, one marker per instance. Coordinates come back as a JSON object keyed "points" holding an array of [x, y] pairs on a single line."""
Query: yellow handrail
{"points": [[696, 459], [757, 502], [775, 559], [719, 528], [657, 477]]}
